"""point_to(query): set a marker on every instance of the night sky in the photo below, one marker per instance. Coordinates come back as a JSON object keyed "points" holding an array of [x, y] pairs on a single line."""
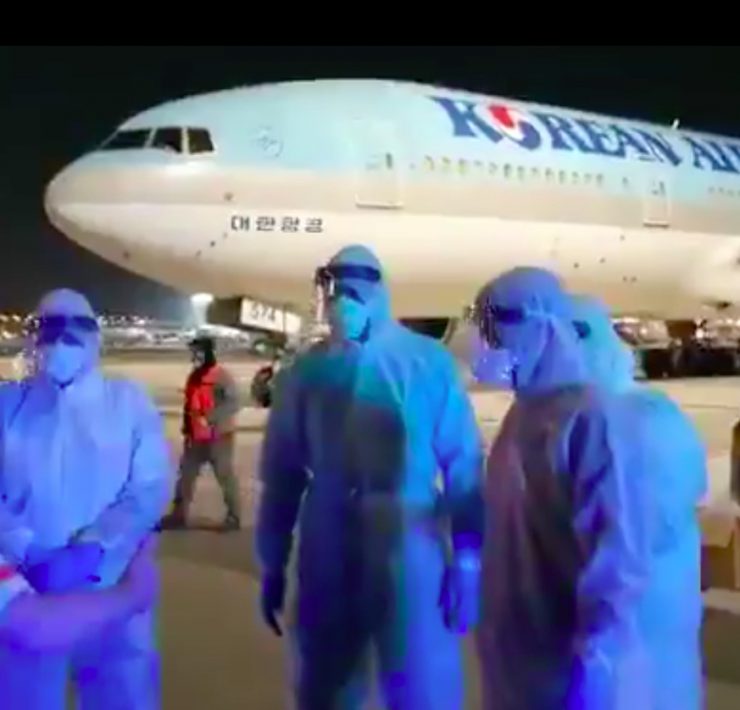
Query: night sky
{"points": [[59, 102]]}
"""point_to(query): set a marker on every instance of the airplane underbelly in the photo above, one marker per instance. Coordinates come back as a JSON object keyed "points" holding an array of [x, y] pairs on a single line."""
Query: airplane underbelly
{"points": [[435, 263]]}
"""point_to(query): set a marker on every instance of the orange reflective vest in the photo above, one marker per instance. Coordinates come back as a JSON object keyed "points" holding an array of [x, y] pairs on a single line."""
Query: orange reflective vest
{"points": [[200, 402]]}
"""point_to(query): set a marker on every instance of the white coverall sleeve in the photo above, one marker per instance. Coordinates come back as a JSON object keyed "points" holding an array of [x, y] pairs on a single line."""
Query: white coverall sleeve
{"points": [[149, 488], [459, 449], [15, 537], [283, 474], [612, 508]]}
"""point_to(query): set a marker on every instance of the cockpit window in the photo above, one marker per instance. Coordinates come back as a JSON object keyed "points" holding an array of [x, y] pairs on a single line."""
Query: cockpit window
{"points": [[128, 140], [199, 141], [173, 139], [168, 139]]}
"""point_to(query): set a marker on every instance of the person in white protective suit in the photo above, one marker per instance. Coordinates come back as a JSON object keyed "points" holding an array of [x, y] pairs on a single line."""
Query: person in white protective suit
{"points": [[673, 463], [362, 424], [85, 474], [566, 559]]}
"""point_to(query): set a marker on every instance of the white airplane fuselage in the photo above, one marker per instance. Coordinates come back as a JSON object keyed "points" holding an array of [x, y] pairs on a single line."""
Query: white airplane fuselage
{"points": [[449, 188]]}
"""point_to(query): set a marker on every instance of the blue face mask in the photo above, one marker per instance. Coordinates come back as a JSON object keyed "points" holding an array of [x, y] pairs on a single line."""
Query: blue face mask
{"points": [[62, 362], [349, 317]]}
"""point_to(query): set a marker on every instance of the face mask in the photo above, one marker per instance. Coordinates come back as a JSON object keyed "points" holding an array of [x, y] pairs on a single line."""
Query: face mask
{"points": [[348, 317], [62, 362], [492, 366], [198, 358]]}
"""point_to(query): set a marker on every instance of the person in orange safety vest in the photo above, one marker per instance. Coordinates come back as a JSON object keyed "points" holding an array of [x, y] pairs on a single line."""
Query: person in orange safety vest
{"points": [[209, 429]]}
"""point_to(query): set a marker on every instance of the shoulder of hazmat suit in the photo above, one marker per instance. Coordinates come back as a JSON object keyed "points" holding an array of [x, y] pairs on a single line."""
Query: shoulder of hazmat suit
{"points": [[669, 457], [357, 437], [566, 557]]}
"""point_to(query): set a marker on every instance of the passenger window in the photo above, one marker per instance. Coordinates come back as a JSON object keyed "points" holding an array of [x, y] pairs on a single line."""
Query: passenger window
{"points": [[199, 141], [168, 139], [127, 140]]}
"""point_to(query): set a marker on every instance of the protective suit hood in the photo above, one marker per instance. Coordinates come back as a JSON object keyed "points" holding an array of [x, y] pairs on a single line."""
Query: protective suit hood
{"points": [[543, 344], [69, 304], [65, 301], [610, 361], [375, 296]]}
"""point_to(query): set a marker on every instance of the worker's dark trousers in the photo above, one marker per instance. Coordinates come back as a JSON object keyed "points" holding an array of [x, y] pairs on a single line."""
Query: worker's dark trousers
{"points": [[220, 455]]}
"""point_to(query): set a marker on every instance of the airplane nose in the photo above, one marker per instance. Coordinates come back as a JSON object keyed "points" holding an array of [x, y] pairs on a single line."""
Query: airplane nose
{"points": [[120, 209], [57, 198], [64, 203], [78, 202]]}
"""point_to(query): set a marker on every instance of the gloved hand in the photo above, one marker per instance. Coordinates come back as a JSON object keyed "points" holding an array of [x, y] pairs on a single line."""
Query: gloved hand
{"points": [[65, 569], [459, 597], [35, 555], [273, 598], [140, 582]]}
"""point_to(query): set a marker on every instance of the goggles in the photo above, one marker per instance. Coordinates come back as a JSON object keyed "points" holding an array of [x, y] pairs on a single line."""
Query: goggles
{"points": [[69, 329], [332, 280], [486, 318]]}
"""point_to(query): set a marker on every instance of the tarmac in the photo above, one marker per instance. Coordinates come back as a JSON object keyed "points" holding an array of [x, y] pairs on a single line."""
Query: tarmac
{"points": [[217, 654]]}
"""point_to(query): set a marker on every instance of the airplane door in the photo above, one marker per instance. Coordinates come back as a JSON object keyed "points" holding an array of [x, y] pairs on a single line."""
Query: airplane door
{"points": [[378, 174], [656, 201]]}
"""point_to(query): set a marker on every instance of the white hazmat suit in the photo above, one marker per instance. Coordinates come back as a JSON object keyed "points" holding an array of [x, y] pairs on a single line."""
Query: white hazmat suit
{"points": [[360, 429], [566, 556], [672, 462], [83, 459]]}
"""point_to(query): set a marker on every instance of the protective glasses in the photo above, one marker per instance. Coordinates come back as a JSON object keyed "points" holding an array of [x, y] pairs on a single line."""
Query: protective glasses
{"points": [[332, 279], [487, 317], [69, 329]]}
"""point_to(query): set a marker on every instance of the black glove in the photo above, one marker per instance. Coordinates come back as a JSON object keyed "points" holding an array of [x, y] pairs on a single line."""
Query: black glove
{"points": [[273, 598]]}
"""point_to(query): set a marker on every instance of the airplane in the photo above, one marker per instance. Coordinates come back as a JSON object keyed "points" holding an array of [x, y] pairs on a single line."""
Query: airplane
{"points": [[243, 193]]}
